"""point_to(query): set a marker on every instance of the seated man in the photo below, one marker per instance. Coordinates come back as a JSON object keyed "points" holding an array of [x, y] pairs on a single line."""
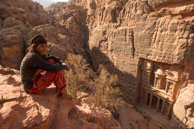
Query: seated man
{"points": [[39, 71]]}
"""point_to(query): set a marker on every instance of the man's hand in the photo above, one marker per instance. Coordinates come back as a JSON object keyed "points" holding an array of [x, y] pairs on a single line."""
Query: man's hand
{"points": [[67, 68]]}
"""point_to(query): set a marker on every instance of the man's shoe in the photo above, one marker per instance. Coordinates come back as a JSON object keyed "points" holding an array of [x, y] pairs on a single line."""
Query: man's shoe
{"points": [[64, 96]]}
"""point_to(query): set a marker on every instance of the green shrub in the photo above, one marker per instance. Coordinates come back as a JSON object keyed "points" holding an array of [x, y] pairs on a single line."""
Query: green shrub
{"points": [[78, 76], [105, 95], [100, 86]]}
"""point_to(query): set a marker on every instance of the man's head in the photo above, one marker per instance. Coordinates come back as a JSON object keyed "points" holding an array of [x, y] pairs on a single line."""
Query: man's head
{"points": [[39, 44]]}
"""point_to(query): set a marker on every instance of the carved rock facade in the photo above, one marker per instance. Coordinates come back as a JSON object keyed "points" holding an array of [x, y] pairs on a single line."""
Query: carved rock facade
{"points": [[125, 36], [138, 29], [158, 85]]}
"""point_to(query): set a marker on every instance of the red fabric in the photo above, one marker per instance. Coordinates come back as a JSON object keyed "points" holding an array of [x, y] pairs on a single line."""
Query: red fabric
{"points": [[44, 81]]}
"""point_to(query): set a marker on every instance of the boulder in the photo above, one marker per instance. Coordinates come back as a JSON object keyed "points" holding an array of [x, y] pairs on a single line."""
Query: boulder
{"points": [[11, 47], [1, 23], [59, 43], [183, 110], [48, 31], [10, 22], [4, 12]]}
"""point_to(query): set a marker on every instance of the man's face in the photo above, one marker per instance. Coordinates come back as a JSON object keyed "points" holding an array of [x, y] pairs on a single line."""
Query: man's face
{"points": [[42, 49]]}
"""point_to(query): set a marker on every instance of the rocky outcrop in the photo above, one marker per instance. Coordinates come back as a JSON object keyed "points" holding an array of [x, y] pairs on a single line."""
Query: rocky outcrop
{"points": [[60, 44], [73, 19], [16, 20], [57, 9], [45, 111], [11, 47], [24, 22], [26, 11], [183, 111]]}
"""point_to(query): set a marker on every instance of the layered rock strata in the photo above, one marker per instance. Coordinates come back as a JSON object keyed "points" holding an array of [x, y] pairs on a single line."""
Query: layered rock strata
{"points": [[22, 20], [123, 31], [162, 32], [16, 20]]}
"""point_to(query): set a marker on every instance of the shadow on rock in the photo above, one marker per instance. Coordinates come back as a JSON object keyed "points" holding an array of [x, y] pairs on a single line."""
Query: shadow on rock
{"points": [[127, 81]]}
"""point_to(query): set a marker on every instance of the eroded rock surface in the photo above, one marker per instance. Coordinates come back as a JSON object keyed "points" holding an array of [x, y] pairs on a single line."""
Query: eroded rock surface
{"points": [[46, 111], [26, 11], [183, 110], [25, 19], [113, 33], [16, 20], [11, 47], [123, 31], [72, 18]]}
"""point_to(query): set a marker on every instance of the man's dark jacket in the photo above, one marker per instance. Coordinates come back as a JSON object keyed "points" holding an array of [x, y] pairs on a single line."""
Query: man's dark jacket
{"points": [[29, 66]]}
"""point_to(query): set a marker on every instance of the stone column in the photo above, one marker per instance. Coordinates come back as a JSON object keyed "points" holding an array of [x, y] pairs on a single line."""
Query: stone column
{"points": [[150, 104], [146, 98], [141, 97], [163, 106], [166, 88], [158, 103], [169, 110]]}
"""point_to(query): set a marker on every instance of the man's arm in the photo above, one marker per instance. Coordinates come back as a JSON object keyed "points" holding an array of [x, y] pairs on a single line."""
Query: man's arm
{"points": [[42, 64], [57, 59]]}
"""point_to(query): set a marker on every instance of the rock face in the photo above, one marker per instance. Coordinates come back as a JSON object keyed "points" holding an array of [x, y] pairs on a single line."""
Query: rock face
{"points": [[73, 18], [60, 44], [140, 40], [121, 32], [11, 47], [26, 11], [183, 111], [16, 19], [20, 21], [46, 111]]}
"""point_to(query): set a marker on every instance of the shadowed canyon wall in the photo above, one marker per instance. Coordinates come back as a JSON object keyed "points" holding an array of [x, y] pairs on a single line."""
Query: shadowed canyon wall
{"points": [[123, 33]]}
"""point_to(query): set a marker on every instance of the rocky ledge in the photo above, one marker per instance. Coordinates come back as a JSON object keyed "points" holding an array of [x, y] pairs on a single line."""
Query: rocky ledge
{"points": [[19, 110]]}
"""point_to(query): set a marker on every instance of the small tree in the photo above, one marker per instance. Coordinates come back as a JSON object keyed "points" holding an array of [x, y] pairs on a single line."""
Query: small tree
{"points": [[105, 95], [78, 76], [100, 85]]}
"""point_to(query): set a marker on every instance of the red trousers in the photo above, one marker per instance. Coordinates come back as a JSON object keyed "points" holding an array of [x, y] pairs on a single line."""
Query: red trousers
{"points": [[43, 81]]}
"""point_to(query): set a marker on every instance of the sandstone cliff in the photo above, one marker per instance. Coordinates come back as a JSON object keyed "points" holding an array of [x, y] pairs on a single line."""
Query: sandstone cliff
{"points": [[123, 33], [17, 18], [140, 40], [21, 20]]}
